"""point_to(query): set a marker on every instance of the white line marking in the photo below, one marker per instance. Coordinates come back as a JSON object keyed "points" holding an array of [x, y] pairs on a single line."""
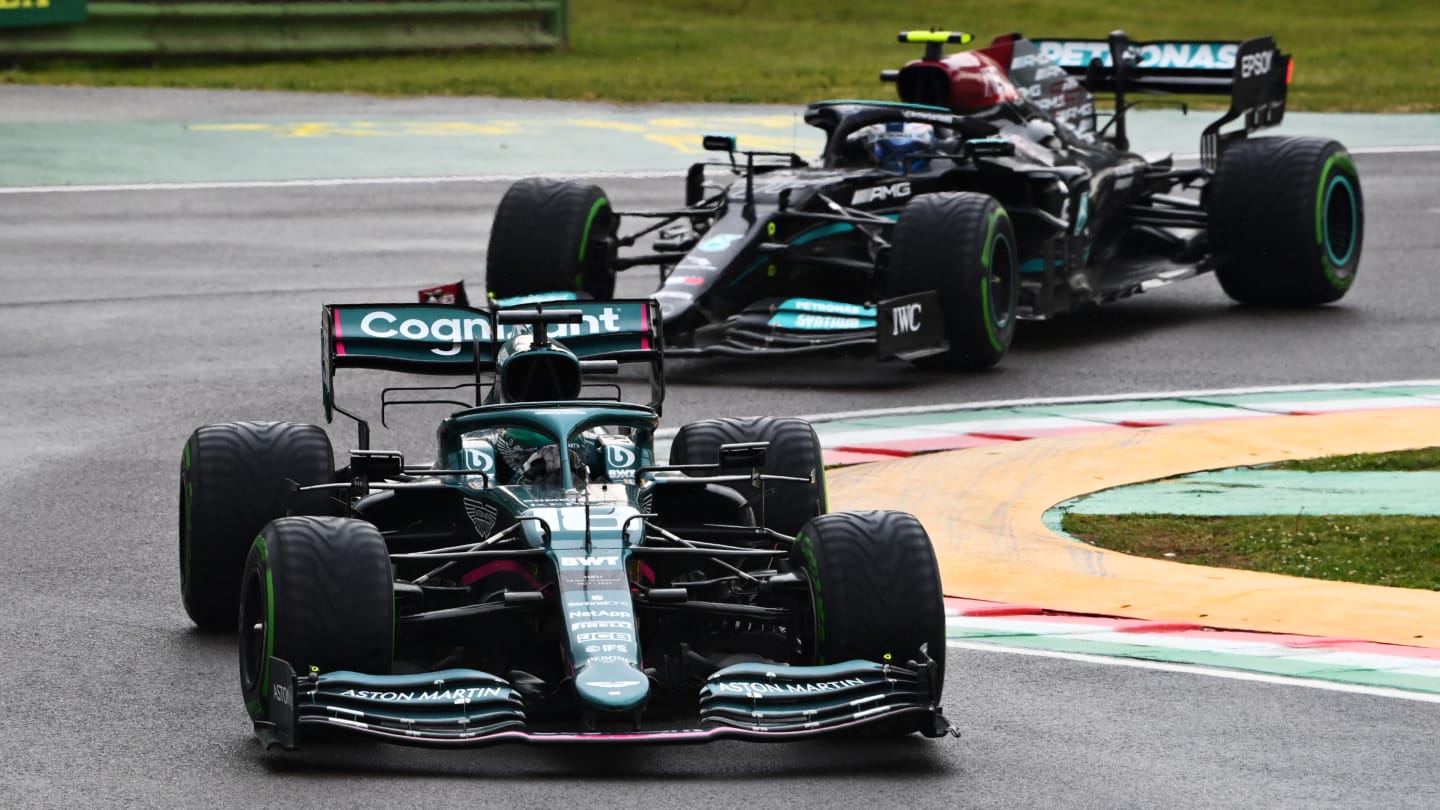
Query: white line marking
{"points": [[655, 174], [1191, 669], [1084, 399], [341, 181]]}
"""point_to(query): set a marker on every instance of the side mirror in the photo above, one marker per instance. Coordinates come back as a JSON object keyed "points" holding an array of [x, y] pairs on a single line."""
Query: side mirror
{"points": [[718, 143], [376, 465]]}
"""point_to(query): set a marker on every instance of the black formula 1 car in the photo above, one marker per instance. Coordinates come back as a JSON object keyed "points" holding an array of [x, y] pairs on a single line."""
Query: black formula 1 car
{"points": [[543, 578], [988, 194]]}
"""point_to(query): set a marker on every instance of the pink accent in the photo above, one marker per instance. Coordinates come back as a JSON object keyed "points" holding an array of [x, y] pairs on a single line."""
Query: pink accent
{"points": [[1302, 413], [1160, 627], [339, 347], [1004, 610], [879, 451], [500, 567], [1131, 423], [647, 574]]}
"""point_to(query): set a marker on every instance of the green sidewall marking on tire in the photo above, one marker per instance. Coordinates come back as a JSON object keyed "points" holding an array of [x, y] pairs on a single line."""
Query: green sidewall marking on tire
{"points": [[990, 236], [985, 259], [1322, 199], [590, 223], [807, 548], [256, 707], [585, 241]]}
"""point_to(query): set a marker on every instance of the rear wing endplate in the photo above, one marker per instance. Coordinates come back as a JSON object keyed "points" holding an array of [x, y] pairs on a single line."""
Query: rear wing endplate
{"points": [[1254, 73]]}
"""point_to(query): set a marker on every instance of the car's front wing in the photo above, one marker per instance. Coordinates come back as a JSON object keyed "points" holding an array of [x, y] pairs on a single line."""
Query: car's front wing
{"points": [[907, 327], [466, 708]]}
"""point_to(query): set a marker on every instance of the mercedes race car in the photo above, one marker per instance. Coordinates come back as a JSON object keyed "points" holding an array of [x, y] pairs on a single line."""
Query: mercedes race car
{"points": [[991, 192], [542, 577]]}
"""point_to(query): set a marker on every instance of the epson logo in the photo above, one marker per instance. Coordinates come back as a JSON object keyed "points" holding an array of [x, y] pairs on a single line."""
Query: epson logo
{"points": [[1255, 64], [572, 562], [878, 193], [907, 318]]}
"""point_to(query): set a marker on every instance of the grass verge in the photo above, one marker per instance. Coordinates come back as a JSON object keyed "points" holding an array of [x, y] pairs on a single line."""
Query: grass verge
{"points": [[1396, 550], [1358, 56]]}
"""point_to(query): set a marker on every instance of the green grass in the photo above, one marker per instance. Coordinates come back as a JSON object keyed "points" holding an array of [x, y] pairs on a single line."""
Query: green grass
{"points": [[1375, 56], [1396, 550], [1404, 461], [1392, 550]]}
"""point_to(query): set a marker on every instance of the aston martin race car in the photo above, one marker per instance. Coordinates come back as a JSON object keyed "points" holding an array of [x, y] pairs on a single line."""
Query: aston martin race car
{"points": [[542, 577], [990, 193]]}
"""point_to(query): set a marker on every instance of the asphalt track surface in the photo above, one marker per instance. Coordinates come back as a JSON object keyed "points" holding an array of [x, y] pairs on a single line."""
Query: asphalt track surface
{"points": [[129, 318]]}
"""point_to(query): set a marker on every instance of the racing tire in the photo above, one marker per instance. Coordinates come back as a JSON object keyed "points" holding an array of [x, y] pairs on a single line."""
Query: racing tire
{"points": [[1287, 220], [318, 594], [552, 236], [876, 594], [794, 451], [235, 478], [961, 244]]}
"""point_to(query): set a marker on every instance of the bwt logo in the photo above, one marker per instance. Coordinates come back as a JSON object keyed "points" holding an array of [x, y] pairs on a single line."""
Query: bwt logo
{"points": [[906, 319], [570, 562], [1255, 64]]}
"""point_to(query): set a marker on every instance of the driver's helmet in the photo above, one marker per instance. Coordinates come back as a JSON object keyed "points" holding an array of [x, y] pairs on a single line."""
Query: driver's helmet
{"points": [[892, 145], [534, 459]]}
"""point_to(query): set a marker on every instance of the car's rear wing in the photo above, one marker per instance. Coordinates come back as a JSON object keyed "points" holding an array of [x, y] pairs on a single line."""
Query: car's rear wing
{"points": [[1254, 73], [460, 340]]}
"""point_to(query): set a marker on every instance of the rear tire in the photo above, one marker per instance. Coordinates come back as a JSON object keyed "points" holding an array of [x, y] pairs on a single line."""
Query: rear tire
{"points": [[235, 478], [961, 244], [317, 593], [1287, 221], [551, 236], [794, 451], [876, 592]]}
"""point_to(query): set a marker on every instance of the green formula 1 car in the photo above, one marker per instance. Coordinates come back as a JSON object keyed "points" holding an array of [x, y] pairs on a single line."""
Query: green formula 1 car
{"points": [[542, 577]]}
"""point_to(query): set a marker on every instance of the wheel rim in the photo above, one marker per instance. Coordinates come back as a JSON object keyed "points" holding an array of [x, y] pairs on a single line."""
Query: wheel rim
{"points": [[254, 630], [1339, 221], [1000, 285]]}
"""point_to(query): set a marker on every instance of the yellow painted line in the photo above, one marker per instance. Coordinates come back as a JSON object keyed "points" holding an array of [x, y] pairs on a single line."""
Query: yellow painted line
{"points": [[983, 508]]}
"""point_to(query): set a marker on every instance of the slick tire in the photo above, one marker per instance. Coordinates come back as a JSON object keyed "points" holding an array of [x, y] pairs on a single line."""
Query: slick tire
{"points": [[317, 593], [876, 593], [552, 236], [794, 451], [235, 478], [1287, 219], [961, 244]]}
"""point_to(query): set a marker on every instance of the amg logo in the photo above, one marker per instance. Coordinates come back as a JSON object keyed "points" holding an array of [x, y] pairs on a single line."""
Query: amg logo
{"points": [[1255, 64], [569, 562], [907, 318], [893, 191]]}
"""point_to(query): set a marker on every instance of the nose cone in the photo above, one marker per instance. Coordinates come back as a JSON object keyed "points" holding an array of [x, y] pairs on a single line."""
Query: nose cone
{"points": [[612, 686]]}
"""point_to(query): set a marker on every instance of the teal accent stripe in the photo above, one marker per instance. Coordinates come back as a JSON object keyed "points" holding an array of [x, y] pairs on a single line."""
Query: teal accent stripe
{"points": [[821, 232]]}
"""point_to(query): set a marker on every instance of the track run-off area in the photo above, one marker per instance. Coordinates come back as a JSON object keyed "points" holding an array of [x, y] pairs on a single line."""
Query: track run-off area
{"points": [[133, 314]]}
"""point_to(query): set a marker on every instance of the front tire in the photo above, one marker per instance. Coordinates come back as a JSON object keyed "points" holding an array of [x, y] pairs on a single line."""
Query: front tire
{"points": [[1287, 220], [235, 478], [552, 236], [876, 593], [794, 451], [961, 244], [317, 593]]}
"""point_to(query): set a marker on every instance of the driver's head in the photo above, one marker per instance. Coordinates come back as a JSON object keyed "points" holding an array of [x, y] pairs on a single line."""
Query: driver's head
{"points": [[892, 146]]}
